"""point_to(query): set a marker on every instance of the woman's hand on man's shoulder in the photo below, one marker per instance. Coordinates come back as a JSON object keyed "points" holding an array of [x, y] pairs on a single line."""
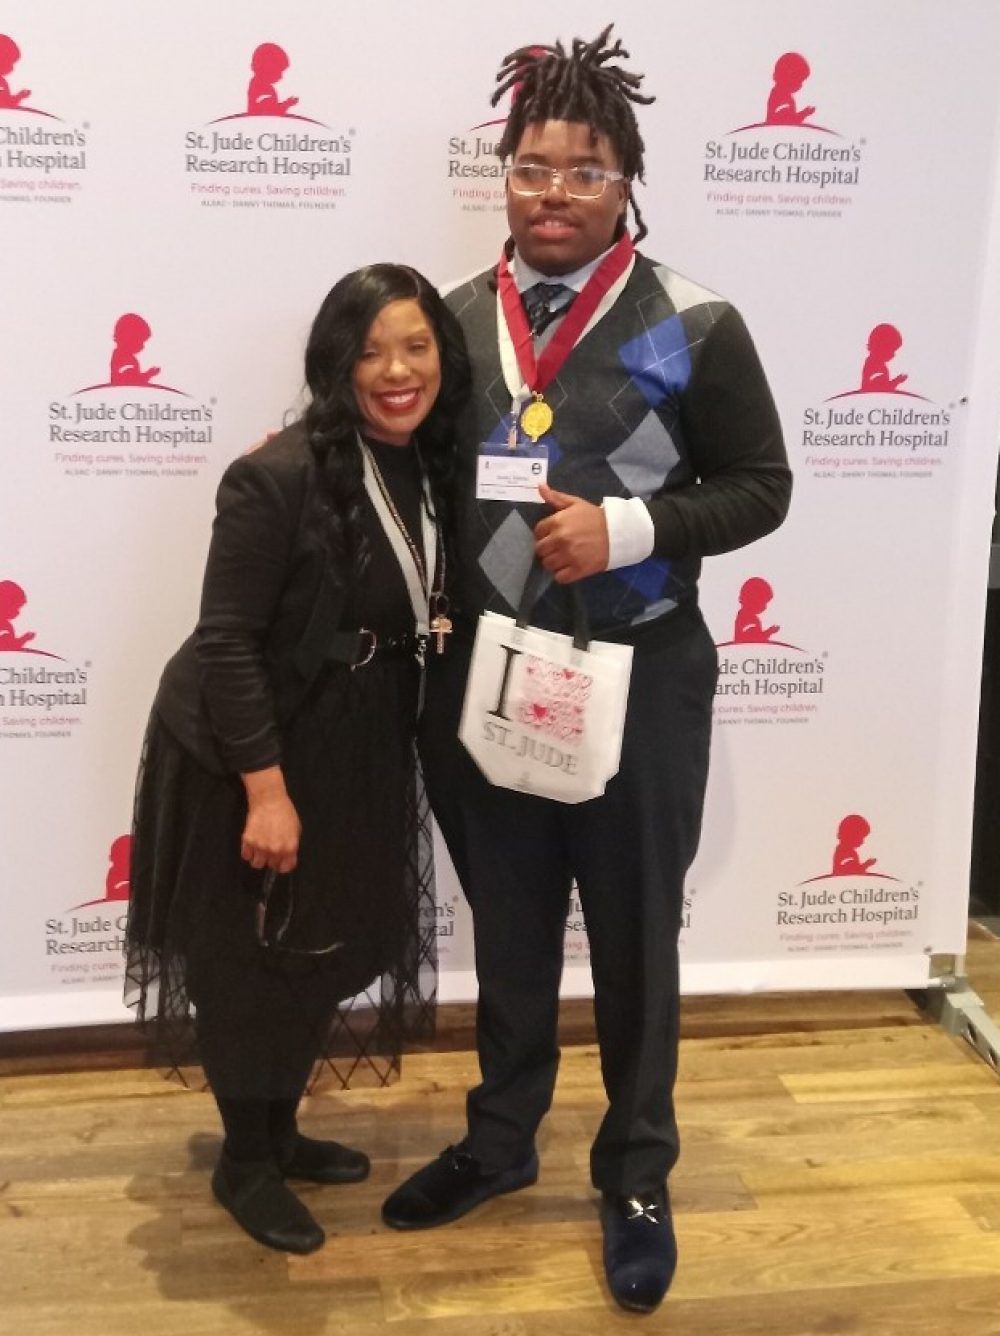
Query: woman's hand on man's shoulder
{"points": [[269, 436]]}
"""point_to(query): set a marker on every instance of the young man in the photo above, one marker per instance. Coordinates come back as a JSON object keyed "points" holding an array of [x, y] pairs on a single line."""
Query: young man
{"points": [[662, 445]]}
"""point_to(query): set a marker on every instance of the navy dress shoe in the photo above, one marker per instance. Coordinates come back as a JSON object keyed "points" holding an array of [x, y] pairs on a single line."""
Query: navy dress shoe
{"points": [[640, 1251], [321, 1161], [255, 1195], [449, 1187]]}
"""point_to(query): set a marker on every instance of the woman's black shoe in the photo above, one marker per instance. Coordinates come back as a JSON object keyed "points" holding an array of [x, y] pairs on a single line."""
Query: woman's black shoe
{"points": [[449, 1187], [321, 1161], [640, 1251], [255, 1195]]}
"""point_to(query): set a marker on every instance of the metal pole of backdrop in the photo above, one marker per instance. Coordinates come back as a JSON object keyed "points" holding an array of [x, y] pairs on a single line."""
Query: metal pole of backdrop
{"points": [[950, 997]]}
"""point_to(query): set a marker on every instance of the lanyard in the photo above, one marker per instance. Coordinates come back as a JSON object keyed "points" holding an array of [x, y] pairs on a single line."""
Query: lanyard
{"points": [[418, 576], [524, 373]]}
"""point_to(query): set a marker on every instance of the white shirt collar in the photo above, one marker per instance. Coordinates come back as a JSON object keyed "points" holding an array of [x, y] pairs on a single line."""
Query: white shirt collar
{"points": [[526, 277]]}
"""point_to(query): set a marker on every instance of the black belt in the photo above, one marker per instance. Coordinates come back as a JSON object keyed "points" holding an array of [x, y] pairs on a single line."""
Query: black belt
{"points": [[662, 631], [358, 648], [659, 633]]}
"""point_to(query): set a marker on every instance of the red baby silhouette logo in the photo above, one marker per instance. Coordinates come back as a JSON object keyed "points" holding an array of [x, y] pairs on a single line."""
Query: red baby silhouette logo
{"points": [[268, 66], [116, 884], [884, 342], [12, 99], [554, 700], [847, 857], [748, 627], [791, 70], [12, 602], [131, 334]]}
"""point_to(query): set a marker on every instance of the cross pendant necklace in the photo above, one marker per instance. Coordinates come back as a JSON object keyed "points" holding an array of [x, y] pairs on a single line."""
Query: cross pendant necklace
{"points": [[440, 624]]}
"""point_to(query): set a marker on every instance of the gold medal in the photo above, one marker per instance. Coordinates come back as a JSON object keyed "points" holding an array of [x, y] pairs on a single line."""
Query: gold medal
{"points": [[537, 418]]}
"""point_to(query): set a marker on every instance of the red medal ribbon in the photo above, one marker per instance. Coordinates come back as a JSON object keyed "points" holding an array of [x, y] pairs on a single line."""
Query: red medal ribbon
{"points": [[540, 372]]}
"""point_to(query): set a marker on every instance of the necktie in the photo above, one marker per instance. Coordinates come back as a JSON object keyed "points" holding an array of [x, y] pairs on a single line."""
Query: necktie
{"points": [[539, 302]]}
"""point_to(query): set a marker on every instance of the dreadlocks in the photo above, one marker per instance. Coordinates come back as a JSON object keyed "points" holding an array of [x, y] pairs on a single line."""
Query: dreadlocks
{"points": [[550, 85]]}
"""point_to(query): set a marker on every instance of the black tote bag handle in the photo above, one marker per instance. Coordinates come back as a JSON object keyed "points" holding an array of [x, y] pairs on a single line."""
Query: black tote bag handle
{"points": [[532, 591]]}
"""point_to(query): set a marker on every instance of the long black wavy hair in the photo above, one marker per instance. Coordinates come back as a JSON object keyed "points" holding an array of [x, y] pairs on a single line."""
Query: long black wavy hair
{"points": [[332, 419]]}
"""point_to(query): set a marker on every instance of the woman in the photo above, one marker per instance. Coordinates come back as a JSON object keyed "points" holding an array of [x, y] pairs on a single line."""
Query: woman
{"points": [[277, 863]]}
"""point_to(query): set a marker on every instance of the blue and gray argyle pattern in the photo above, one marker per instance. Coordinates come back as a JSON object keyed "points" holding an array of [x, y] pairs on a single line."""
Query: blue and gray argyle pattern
{"points": [[618, 431]]}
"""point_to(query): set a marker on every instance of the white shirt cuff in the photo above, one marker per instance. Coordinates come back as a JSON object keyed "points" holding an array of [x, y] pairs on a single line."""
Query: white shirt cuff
{"points": [[630, 530]]}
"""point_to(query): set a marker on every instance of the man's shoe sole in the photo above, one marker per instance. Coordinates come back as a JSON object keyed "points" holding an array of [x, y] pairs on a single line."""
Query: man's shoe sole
{"points": [[636, 1308]]}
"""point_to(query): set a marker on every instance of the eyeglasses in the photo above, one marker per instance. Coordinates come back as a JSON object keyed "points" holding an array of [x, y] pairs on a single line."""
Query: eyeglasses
{"points": [[532, 178]]}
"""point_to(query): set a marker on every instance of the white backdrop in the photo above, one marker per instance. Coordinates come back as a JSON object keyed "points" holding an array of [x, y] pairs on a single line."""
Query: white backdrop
{"points": [[132, 184]]}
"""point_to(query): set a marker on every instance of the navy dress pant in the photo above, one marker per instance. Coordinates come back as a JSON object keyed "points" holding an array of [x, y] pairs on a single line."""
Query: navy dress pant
{"points": [[629, 851]]}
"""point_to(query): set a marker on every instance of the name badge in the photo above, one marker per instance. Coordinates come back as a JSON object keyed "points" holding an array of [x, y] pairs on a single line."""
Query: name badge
{"points": [[511, 471]]}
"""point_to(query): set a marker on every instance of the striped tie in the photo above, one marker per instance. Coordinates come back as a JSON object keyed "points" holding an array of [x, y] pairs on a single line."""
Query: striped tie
{"points": [[539, 301]]}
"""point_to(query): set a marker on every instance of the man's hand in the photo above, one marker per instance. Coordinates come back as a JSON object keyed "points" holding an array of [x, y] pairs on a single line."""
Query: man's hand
{"points": [[572, 543], [268, 436]]}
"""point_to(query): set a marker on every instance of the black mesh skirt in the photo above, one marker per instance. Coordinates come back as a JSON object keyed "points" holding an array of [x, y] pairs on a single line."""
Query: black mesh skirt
{"points": [[257, 977]]}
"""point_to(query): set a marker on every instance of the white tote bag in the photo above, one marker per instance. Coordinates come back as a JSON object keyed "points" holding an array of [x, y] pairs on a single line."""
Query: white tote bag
{"points": [[544, 712]]}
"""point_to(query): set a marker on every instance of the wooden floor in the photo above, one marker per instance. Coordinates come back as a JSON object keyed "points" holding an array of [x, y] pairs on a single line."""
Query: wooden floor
{"points": [[840, 1174]]}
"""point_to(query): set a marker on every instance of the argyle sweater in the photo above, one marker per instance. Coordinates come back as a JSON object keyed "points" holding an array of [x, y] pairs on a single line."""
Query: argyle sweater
{"points": [[664, 399]]}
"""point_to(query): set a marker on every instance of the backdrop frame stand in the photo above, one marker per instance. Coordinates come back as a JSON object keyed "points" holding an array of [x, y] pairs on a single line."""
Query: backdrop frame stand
{"points": [[951, 1000]]}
